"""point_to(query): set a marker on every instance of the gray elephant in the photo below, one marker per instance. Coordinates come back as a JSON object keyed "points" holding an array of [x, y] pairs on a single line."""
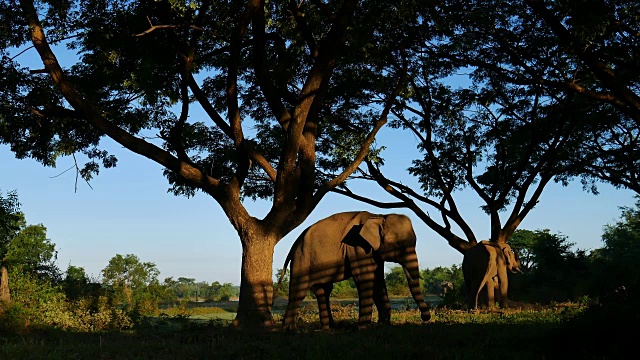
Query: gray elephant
{"points": [[445, 287], [484, 267], [352, 244]]}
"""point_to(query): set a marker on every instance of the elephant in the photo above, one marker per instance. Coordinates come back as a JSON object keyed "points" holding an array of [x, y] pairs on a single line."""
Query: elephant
{"points": [[445, 287], [485, 266], [352, 244]]}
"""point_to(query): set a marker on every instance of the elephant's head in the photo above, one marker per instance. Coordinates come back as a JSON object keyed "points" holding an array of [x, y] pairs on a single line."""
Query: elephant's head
{"points": [[512, 260], [393, 239]]}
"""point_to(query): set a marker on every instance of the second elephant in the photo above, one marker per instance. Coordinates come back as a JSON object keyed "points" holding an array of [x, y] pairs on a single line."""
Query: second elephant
{"points": [[352, 244], [485, 266]]}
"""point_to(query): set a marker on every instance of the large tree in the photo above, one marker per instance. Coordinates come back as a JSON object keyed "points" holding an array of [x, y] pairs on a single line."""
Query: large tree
{"points": [[551, 94], [276, 81]]}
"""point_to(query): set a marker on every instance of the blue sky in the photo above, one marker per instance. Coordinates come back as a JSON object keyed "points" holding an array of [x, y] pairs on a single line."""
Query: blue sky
{"points": [[129, 211]]}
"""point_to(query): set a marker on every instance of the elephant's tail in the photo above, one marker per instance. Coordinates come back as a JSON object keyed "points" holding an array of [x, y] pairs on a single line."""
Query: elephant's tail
{"points": [[284, 269], [290, 256]]}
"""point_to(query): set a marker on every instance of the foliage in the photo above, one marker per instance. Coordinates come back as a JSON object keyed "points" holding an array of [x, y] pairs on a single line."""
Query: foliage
{"points": [[133, 283], [452, 335], [135, 83], [220, 292], [616, 261], [76, 284], [434, 279], [345, 289], [397, 282], [36, 304], [187, 289], [281, 287], [10, 219], [552, 270], [30, 251]]}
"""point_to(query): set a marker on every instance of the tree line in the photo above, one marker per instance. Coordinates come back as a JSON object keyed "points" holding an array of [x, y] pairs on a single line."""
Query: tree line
{"points": [[35, 290]]}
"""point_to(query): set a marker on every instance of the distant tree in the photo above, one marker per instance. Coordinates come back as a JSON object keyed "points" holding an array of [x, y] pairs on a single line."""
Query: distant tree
{"points": [[617, 261], [171, 289], [128, 278], [281, 289], [201, 289], [554, 270], [24, 248], [185, 287], [10, 220], [220, 292], [345, 289], [75, 282], [523, 242], [30, 251], [397, 282], [433, 280]]}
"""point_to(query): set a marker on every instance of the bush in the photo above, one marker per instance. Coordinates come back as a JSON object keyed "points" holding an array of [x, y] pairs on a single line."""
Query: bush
{"points": [[39, 304]]}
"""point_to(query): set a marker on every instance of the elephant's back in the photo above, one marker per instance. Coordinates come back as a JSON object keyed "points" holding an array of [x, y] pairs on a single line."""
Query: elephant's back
{"points": [[322, 244], [330, 228]]}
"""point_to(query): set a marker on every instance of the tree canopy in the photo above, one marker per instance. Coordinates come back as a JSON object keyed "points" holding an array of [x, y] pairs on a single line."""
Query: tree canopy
{"points": [[551, 94]]}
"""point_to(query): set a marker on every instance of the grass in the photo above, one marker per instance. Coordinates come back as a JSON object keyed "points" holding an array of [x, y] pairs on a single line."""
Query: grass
{"points": [[554, 332]]}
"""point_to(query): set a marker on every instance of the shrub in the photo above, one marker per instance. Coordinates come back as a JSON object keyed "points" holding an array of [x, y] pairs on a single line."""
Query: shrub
{"points": [[39, 304]]}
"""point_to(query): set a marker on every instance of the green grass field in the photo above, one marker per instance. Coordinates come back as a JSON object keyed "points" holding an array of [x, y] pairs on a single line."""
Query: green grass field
{"points": [[560, 331]]}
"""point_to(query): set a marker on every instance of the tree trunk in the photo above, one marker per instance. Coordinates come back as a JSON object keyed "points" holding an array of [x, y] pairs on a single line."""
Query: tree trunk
{"points": [[4, 284], [256, 284]]}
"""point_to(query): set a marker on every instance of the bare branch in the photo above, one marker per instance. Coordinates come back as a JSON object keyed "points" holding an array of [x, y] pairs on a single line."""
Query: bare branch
{"points": [[157, 27]]}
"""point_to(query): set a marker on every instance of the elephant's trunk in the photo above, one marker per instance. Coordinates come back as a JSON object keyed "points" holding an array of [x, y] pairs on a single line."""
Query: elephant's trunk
{"points": [[412, 272]]}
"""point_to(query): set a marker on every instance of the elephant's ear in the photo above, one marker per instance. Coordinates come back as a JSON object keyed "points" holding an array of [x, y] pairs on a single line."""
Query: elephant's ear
{"points": [[372, 232]]}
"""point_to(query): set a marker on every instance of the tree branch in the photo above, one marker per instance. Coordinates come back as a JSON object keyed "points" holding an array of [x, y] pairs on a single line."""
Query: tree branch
{"points": [[87, 111]]}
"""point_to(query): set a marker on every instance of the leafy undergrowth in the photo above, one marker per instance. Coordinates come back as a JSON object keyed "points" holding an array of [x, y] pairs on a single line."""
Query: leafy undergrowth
{"points": [[452, 334]]}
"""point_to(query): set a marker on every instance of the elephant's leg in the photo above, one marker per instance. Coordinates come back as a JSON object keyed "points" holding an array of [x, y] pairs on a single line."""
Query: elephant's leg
{"points": [[322, 292], [471, 294], [497, 292], [491, 287], [328, 288], [503, 282], [297, 293], [381, 297], [365, 285]]}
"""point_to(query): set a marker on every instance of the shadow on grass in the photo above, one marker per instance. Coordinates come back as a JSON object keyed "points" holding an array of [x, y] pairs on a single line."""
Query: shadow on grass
{"points": [[451, 335]]}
